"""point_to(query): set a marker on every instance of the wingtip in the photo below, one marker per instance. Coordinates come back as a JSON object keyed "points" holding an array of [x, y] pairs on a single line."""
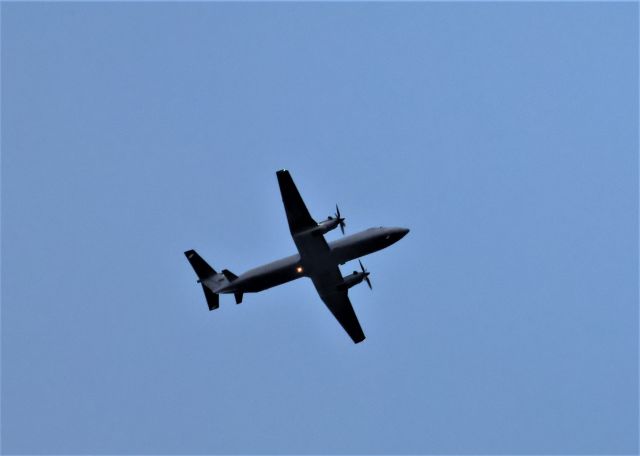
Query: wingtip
{"points": [[358, 340]]}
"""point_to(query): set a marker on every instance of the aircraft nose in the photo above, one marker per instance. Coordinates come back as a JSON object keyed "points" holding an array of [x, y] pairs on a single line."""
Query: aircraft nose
{"points": [[399, 233]]}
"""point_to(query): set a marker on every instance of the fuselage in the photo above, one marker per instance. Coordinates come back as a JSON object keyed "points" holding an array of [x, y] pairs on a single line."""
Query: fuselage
{"points": [[314, 260]]}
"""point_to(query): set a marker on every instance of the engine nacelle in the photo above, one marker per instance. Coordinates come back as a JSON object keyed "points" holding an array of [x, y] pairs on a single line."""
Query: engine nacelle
{"points": [[325, 226], [351, 280]]}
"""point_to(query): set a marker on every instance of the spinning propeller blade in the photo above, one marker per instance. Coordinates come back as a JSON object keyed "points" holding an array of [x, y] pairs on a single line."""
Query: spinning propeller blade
{"points": [[366, 275], [340, 219]]}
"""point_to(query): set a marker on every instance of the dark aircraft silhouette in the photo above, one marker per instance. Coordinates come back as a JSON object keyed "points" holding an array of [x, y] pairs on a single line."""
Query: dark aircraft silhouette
{"points": [[315, 259]]}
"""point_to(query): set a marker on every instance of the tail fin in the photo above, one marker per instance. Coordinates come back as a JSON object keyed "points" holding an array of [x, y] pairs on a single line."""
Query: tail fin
{"points": [[202, 269], [213, 299]]}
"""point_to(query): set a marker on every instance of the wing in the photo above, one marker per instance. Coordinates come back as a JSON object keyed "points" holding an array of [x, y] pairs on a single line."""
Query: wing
{"points": [[314, 250], [297, 214], [337, 301]]}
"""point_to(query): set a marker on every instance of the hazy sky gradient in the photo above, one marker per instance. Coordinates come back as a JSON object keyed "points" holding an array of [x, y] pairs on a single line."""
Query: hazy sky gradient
{"points": [[505, 135]]}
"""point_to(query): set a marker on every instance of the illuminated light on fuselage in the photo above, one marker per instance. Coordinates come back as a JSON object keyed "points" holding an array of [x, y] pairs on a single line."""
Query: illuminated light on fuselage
{"points": [[299, 269]]}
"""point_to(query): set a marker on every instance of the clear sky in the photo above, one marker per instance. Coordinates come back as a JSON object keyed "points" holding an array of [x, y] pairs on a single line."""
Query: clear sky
{"points": [[504, 135]]}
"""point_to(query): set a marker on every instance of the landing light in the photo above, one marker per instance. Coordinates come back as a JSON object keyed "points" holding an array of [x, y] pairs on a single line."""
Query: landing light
{"points": [[299, 269]]}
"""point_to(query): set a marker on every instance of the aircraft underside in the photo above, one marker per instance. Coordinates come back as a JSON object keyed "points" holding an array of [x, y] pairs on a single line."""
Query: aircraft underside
{"points": [[316, 259]]}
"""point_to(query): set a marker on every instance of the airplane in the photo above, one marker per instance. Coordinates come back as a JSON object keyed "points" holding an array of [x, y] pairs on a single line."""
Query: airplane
{"points": [[316, 259]]}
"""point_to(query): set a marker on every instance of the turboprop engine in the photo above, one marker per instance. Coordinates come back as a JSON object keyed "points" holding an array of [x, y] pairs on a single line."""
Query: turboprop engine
{"points": [[331, 223], [355, 278]]}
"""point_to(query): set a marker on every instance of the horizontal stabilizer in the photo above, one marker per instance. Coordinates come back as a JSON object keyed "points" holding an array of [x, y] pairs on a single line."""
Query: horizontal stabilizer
{"points": [[229, 275], [202, 269], [213, 300]]}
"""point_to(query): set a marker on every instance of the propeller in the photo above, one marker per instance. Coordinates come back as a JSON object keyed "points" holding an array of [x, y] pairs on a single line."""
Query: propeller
{"points": [[366, 275], [340, 219]]}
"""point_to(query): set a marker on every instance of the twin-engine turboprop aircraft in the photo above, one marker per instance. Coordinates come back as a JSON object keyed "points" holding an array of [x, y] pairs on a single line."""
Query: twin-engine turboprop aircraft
{"points": [[315, 259]]}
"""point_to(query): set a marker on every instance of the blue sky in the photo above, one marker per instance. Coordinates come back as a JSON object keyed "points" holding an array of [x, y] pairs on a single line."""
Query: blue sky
{"points": [[505, 135]]}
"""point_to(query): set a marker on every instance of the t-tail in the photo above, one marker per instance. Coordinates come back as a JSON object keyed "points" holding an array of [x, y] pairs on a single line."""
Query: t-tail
{"points": [[211, 280]]}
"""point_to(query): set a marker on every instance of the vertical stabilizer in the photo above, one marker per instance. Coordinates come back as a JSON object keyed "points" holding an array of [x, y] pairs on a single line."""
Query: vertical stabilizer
{"points": [[213, 299], [204, 272], [202, 269]]}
